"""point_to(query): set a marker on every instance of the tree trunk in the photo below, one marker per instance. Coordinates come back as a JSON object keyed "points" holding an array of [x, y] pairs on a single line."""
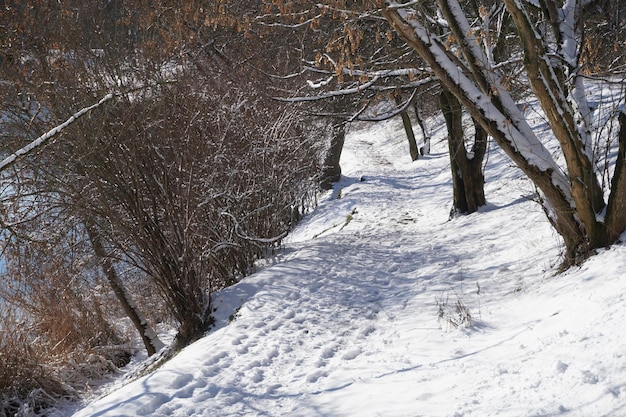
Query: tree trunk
{"points": [[332, 170], [424, 150], [149, 337], [467, 177], [408, 129], [615, 218]]}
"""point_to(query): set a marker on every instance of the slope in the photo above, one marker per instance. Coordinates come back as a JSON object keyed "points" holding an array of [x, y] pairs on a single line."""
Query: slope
{"points": [[364, 311]]}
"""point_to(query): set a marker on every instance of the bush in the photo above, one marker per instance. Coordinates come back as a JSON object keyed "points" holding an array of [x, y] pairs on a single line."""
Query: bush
{"points": [[190, 182]]}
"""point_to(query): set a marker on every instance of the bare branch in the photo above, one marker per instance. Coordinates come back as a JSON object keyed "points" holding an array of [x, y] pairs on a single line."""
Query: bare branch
{"points": [[14, 157]]}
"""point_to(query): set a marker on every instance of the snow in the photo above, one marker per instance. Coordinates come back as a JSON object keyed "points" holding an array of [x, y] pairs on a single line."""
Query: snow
{"points": [[353, 317]]}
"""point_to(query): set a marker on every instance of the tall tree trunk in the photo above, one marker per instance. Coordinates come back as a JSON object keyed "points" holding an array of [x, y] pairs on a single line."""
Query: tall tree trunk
{"points": [[148, 336], [331, 169], [408, 129], [468, 182]]}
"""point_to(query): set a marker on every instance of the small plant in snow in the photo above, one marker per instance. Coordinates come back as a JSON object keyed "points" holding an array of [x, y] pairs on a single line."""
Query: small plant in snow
{"points": [[349, 218], [454, 313]]}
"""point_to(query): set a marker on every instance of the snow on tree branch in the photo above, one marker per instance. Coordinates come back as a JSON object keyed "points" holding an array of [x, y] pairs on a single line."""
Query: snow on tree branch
{"points": [[506, 117], [14, 157]]}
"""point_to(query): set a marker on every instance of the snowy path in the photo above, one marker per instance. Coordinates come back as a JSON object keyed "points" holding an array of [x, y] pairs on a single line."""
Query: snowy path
{"points": [[343, 322]]}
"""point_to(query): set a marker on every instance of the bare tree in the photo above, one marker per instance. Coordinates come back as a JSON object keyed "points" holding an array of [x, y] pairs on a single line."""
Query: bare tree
{"points": [[147, 334], [551, 39]]}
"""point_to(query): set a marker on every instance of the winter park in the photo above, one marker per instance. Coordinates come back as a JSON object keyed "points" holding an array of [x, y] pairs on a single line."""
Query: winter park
{"points": [[273, 208]]}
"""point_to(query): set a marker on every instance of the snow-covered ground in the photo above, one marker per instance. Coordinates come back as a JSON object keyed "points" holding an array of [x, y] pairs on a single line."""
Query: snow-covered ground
{"points": [[355, 317]]}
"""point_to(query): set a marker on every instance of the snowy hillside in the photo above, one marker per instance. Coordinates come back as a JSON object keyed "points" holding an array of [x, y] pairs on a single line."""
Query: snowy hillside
{"points": [[356, 316]]}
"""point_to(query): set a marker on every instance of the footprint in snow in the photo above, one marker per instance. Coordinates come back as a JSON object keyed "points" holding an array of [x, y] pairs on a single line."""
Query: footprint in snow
{"points": [[252, 365], [275, 325], [256, 376], [181, 380], [237, 340], [216, 359], [329, 351], [589, 377], [209, 392], [351, 354], [272, 388], [188, 391], [211, 371], [313, 377], [367, 331], [153, 404], [272, 353]]}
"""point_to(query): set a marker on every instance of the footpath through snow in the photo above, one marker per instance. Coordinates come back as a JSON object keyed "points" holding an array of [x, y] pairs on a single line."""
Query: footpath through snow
{"points": [[355, 316]]}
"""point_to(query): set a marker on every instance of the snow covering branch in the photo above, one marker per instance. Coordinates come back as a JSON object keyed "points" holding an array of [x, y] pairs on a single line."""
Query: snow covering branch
{"points": [[41, 140], [331, 94], [14, 157], [394, 5], [359, 89]]}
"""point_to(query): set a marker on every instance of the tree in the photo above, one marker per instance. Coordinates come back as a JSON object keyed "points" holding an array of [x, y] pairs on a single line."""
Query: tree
{"points": [[408, 128], [147, 334], [467, 173], [551, 39]]}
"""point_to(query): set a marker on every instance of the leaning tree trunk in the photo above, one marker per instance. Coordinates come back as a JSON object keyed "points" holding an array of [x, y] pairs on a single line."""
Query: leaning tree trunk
{"points": [[424, 150], [556, 87], [468, 182], [148, 336]]}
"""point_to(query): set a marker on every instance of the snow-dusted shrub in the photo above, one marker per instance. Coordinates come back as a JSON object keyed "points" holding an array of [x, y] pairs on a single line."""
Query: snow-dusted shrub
{"points": [[190, 182], [25, 383]]}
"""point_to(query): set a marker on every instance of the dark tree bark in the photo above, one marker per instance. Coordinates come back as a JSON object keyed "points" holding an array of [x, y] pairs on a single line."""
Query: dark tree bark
{"points": [[424, 150], [615, 218], [331, 169], [468, 180]]}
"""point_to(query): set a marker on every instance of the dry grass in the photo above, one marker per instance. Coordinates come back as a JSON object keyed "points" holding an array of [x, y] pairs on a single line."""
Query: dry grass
{"points": [[55, 339], [454, 312], [27, 385]]}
